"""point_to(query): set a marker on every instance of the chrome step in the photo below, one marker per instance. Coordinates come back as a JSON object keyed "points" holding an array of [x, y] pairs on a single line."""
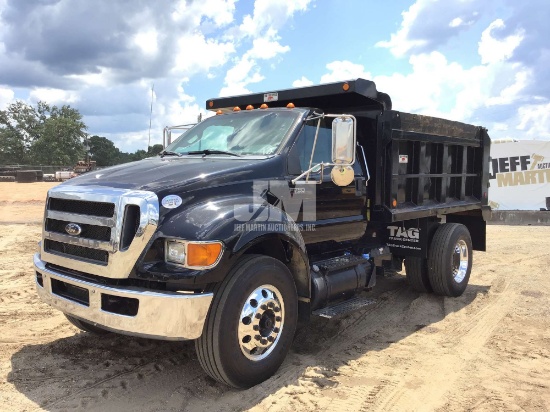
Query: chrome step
{"points": [[344, 307]]}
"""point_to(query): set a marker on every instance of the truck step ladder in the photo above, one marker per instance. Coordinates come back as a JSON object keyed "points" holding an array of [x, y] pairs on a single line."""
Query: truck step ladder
{"points": [[344, 307]]}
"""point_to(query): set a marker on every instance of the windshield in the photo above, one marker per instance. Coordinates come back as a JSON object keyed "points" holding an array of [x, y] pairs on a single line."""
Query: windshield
{"points": [[243, 133]]}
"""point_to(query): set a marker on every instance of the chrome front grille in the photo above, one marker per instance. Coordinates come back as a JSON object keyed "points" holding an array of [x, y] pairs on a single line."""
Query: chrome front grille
{"points": [[88, 231], [113, 226], [74, 251], [82, 207]]}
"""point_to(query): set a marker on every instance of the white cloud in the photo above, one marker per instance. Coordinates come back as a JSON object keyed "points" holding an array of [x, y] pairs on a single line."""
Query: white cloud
{"points": [[195, 54], [270, 14], [302, 82], [400, 43], [6, 97], [221, 12], [535, 121], [344, 70], [430, 23], [53, 96], [439, 87], [456, 22], [262, 28], [267, 48], [147, 41], [494, 50]]}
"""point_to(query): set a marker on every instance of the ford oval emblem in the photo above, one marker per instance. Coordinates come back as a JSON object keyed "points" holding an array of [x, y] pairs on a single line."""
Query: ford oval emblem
{"points": [[73, 229]]}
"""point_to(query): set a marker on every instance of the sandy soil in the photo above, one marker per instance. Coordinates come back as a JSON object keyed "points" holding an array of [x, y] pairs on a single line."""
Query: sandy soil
{"points": [[488, 350]]}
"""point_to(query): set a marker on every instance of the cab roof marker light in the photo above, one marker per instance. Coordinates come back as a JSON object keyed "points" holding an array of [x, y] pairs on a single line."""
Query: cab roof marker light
{"points": [[236, 109], [249, 107], [219, 112], [290, 105], [263, 106]]}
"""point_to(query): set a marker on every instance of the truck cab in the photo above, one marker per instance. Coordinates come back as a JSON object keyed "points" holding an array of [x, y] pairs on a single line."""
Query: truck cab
{"points": [[280, 206]]}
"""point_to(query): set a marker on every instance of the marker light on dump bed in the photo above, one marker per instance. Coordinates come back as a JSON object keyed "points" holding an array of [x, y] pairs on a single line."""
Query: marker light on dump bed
{"points": [[210, 103], [345, 87]]}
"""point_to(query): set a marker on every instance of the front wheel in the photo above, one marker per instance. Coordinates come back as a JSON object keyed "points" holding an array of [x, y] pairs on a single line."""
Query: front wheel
{"points": [[251, 323], [450, 260]]}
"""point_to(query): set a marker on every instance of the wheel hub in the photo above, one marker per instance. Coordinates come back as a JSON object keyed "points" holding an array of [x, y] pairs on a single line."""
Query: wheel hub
{"points": [[261, 322], [460, 261]]}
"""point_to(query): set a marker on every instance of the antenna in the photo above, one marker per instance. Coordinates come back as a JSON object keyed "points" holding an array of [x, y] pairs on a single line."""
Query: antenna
{"points": [[150, 116]]}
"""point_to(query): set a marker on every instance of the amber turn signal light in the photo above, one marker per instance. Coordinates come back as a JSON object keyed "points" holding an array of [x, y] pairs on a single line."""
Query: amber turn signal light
{"points": [[203, 254]]}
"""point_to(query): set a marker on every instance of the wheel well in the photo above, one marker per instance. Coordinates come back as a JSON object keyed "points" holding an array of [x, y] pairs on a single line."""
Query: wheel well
{"points": [[291, 256]]}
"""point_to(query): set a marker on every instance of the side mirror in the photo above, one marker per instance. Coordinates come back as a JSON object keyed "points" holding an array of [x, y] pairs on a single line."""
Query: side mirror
{"points": [[343, 140]]}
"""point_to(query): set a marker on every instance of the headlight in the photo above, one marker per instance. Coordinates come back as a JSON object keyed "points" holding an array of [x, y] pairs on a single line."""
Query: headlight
{"points": [[175, 252], [193, 255]]}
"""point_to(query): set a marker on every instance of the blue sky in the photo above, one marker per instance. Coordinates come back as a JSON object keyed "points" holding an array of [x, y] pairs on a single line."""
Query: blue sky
{"points": [[477, 61]]}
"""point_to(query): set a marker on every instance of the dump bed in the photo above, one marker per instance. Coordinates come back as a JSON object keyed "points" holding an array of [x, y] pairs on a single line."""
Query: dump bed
{"points": [[429, 166]]}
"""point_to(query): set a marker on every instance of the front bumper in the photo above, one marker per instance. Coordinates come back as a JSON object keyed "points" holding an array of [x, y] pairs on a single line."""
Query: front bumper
{"points": [[158, 314]]}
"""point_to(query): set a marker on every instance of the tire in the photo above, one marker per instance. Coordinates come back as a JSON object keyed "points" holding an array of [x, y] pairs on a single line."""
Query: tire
{"points": [[449, 253], [85, 326], [236, 347], [39, 176], [417, 274], [26, 176]]}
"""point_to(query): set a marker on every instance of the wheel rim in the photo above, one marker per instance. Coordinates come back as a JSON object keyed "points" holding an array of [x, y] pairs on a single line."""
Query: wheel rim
{"points": [[261, 322], [460, 261]]}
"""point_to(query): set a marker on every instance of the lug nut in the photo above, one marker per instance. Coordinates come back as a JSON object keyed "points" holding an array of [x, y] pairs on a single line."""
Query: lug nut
{"points": [[276, 330], [278, 318], [263, 342], [258, 316], [263, 307], [276, 309], [270, 339], [270, 304], [256, 327], [257, 337]]}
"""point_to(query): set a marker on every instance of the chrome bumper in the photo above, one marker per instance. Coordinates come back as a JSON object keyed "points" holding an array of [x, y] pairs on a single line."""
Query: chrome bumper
{"points": [[160, 315]]}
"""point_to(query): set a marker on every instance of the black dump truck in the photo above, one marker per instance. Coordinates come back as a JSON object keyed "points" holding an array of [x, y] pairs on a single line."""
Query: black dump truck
{"points": [[281, 206]]}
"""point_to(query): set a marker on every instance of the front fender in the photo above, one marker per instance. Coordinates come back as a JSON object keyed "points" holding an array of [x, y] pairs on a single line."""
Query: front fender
{"points": [[240, 223]]}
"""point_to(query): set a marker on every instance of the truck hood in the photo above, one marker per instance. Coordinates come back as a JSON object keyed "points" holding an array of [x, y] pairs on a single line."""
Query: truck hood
{"points": [[158, 174]]}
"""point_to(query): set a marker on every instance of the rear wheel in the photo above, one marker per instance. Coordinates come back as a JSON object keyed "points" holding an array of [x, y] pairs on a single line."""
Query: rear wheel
{"points": [[450, 260], [251, 323], [85, 326], [417, 274]]}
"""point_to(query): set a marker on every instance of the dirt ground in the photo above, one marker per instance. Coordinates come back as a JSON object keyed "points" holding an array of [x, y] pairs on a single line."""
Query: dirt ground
{"points": [[488, 350]]}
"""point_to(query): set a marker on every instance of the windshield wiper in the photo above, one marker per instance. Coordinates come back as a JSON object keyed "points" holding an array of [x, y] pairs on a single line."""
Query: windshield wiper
{"points": [[169, 153], [212, 151]]}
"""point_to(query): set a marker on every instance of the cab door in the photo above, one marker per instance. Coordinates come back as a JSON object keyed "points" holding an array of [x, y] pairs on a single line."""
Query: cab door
{"points": [[340, 210]]}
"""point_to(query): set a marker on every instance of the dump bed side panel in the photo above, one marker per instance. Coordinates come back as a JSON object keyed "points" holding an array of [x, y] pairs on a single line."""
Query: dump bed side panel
{"points": [[429, 166]]}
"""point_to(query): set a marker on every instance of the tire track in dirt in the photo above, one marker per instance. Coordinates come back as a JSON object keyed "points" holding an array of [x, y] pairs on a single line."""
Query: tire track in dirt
{"points": [[438, 376]]}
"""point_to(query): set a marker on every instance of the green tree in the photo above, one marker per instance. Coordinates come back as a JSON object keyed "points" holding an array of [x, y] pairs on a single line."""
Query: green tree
{"points": [[43, 134], [20, 126], [104, 152]]}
